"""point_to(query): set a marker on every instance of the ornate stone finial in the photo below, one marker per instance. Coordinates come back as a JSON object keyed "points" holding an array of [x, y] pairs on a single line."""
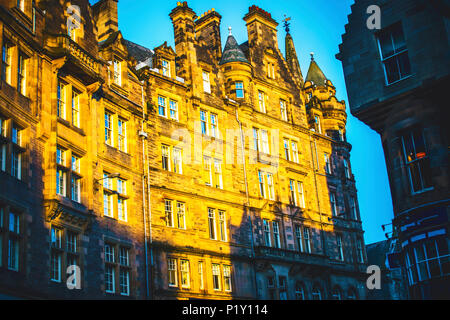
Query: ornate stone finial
{"points": [[312, 56], [229, 29]]}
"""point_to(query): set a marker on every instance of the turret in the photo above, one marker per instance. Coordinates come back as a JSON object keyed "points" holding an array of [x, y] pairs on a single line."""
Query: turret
{"points": [[326, 115], [236, 69]]}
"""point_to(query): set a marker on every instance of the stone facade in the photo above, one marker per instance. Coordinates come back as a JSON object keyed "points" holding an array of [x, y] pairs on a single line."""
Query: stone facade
{"points": [[407, 62], [185, 173]]}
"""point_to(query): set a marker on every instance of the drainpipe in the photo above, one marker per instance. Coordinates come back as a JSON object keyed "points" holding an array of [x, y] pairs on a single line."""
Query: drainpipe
{"points": [[247, 205], [145, 160]]}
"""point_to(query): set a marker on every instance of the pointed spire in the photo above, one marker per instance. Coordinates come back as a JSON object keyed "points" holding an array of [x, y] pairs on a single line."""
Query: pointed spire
{"points": [[315, 74], [292, 59], [232, 51]]}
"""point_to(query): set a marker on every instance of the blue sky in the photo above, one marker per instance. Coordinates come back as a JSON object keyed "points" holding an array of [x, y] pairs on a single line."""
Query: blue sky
{"points": [[317, 27]]}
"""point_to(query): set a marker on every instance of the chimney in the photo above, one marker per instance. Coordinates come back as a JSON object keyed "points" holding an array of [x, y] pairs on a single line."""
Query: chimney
{"points": [[261, 27], [106, 17], [208, 27], [183, 26]]}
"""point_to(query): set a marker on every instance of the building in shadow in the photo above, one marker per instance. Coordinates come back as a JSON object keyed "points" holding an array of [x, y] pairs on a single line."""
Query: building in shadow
{"points": [[197, 172], [397, 78]]}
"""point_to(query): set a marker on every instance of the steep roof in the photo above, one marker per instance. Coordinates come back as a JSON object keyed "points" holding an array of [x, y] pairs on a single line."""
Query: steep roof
{"points": [[143, 56], [232, 52], [315, 74]]}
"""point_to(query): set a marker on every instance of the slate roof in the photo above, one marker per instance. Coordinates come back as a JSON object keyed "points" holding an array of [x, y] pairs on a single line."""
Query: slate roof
{"points": [[315, 74], [143, 56], [232, 52]]}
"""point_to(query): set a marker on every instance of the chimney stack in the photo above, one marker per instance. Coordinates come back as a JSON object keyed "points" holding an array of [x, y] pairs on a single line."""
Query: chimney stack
{"points": [[106, 17], [207, 26]]}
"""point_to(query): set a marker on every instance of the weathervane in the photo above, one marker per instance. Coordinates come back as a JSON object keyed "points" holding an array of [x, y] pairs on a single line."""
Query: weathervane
{"points": [[287, 24]]}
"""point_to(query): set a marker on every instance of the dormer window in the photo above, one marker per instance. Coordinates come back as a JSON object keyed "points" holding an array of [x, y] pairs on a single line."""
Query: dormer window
{"points": [[206, 82], [271, 70], [318, 126], [239, 89], [73, 23], [117, 72], [166, 68]]}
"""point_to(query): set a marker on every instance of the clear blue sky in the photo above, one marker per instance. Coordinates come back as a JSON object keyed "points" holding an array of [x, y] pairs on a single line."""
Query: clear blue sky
{"points": [[316, 27]]}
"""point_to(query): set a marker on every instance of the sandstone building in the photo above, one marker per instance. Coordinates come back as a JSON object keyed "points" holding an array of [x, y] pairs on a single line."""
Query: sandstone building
{"points": [[397, 79], [196, 172]]}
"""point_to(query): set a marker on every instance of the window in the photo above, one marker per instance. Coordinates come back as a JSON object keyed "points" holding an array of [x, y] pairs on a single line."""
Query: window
{"points": [[21, 5], [298, 237], [216, 277], [306, 237], [122, 135], [169, 206], [22, 74], [11, 236], [276, 234], [267, 239], [68, 178], [239, 89], [394, 53], [74, 27], [200, 275], [117, 72], [16, 164], [292, 191], [184, 269], [227, 278], [353, 210], [271, 287], [347, 169], [262, 101], [283, 109], [165, 151], [209, 124], [165, 68], [271, 70], [173, 105], [417, 161], [162, 106], [107, 196], [360, 250], [207, 168], [318, 126], [214, 132], [336, 294], [218, 174], [265, 142], [206, 82], [256, 145], [172, 272], [299, 291], [204, 122], [61, 96], [168, 209], [286, 149], [181, 215], [212, 224], [316, 293], [122, 212], [270, 187], [333, 204], [6, 61], [76, 108], [340, 248], [177, 161], [428, 260], [301, 195], [222, 225], [294, 151], [64, 253], [117, 266], [282, 287], [108, 128], [327, 163]]}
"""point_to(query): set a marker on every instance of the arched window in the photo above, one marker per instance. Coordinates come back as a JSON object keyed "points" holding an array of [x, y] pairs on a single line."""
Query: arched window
{"points": [[299, 291], [352, 294], [337, 293], [316, 293]]}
